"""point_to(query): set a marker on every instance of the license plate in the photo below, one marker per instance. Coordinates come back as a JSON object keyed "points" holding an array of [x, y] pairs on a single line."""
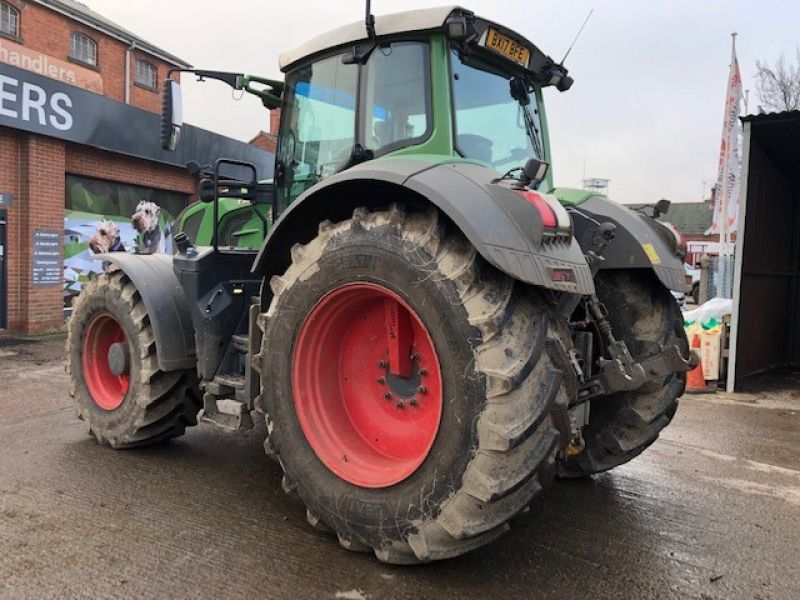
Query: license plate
{"points": [[508, 47]]}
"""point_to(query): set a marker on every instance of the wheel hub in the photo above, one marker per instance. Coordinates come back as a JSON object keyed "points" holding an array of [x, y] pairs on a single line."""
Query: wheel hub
{"points": [[118, 358], [367, 385], [404, 390], [105, 359]]}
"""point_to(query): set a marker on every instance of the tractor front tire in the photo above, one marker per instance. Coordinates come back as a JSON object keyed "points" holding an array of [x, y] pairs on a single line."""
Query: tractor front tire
{"points": [[431, 464], [644, 314], [114, 380]]}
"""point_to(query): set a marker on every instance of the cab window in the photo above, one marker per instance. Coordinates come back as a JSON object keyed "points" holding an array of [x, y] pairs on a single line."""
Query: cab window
{"points": [[319, 123], [397, 103], [490, 123]]}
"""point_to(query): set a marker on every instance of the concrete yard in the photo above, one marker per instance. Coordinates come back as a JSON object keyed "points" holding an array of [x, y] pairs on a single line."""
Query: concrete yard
{"points": [[712, 510]]}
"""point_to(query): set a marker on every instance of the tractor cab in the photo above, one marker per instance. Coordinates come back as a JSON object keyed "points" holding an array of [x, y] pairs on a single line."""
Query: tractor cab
{"points": [[441, 84], [437, 83]]}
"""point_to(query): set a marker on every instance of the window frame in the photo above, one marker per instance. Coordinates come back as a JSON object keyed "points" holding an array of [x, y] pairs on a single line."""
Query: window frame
{"points": [[361, 117], [136, 81], [15, 12], [79, 34]]}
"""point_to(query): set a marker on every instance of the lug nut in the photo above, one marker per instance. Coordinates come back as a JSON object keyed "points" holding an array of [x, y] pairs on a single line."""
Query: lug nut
{"points": [[381, 380], [415, 356], [381, 364], [413, 401], [387, 395], [422, 389], [423, 372], [399, 404]]}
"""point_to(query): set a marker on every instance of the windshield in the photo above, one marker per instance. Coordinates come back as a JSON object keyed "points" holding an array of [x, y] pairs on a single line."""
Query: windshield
{"points": [[491, 126]]}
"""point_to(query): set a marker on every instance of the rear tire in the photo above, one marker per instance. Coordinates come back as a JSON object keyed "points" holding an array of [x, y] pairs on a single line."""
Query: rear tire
{"points": [[643, 313], [503, 370], [147, 405]]}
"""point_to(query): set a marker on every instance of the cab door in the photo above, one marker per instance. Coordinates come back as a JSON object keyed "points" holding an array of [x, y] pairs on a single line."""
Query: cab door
{"points": [[318, 126]]}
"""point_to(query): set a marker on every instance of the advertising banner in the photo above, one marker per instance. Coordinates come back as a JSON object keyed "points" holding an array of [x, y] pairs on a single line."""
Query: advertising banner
{"points": [[103, 216]]}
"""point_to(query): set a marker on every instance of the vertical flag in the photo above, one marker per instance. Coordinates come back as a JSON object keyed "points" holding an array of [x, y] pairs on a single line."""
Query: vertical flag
{"points": [[730, 160]]}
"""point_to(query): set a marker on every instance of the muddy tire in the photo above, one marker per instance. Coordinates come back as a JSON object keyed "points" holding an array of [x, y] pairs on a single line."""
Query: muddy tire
{"points": [[493, 360], [621, 426], [137, 404]]}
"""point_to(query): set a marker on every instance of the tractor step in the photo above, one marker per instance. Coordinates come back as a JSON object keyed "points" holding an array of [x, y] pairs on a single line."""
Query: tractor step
{"points": [[227, 414], [240, 343], [225, 385]]}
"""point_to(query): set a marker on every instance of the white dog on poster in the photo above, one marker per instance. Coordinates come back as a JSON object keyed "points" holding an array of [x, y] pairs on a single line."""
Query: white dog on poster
{"points": [[145, 221]]}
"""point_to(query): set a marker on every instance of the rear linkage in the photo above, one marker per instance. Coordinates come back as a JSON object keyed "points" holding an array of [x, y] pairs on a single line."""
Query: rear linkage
{"points": [[621, 371]]}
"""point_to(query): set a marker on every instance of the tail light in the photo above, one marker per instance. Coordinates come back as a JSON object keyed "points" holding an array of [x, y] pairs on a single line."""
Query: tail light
{"points": [[553, 215]]}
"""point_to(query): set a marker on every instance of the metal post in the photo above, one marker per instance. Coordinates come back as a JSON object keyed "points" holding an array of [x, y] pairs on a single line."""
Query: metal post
{"points": [[705, 278]]}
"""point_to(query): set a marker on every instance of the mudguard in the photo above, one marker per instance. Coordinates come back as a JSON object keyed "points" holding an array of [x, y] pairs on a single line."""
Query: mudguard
{"points": [[505, 229], [166, 306], [640, 242]]}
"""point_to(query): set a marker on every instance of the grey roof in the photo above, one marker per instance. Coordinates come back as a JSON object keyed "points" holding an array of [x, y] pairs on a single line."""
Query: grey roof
{"points": [[410, 20], [689, 217], [83, 14]]}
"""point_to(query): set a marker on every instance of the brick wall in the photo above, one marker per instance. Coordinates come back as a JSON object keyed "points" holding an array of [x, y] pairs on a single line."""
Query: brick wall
{"points": [[48, 32], [274, 121], [264, 141], [268, 140], [91, 162], [33, 169]]}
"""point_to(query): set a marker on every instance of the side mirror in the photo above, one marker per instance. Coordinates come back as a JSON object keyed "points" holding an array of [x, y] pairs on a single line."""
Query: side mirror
{"points": [[205, 189], [534, 172], [171, 115]]}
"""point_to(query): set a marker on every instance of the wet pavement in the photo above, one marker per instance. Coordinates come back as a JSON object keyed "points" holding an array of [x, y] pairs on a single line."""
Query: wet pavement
{"points": [[712, 510]]}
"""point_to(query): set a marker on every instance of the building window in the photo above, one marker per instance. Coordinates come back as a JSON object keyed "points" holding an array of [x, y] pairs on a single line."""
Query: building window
{"points": [[83, 49], [9, 20], [146, 74]]}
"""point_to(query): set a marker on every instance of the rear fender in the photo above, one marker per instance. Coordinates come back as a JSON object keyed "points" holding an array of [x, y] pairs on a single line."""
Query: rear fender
{"points": [[166, 306], [504, 228], [640, 242]]}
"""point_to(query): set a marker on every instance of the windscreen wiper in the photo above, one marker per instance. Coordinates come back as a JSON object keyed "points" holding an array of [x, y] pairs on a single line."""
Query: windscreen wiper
{"points": [[519, 91]]}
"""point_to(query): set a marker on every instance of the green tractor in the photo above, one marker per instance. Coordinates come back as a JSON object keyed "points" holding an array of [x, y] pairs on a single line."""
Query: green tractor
{"points": [[431, 331]]}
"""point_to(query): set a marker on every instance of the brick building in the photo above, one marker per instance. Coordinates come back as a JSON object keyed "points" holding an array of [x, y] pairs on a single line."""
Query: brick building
{"points": [[79, 146], [268, 140]]}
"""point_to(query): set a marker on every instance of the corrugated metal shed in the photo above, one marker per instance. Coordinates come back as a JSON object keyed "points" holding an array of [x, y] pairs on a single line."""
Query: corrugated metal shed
{"points": [[779, 135], [766, 313]]}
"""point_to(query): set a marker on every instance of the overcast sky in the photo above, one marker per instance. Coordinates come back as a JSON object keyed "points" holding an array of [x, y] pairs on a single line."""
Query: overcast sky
{"points": [[645, 110]]}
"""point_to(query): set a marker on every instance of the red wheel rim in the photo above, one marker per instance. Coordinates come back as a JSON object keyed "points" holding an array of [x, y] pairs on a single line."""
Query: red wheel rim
{"points": [[367, 385], [106, 388]]}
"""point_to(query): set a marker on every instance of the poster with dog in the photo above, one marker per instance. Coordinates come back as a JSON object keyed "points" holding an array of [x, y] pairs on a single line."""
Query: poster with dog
{"points": [[106, 217]]}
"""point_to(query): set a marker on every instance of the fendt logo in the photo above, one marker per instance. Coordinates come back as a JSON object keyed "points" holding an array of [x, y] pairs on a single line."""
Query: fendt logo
{"points": [[30, 103]]}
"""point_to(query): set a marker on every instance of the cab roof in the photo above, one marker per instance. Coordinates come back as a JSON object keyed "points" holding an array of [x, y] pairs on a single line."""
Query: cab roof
{"points": [[545, 69], [407, 21]]}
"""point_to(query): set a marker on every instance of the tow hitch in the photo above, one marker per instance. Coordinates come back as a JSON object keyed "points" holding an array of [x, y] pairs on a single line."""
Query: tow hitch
{"points": [[622, 372]]}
